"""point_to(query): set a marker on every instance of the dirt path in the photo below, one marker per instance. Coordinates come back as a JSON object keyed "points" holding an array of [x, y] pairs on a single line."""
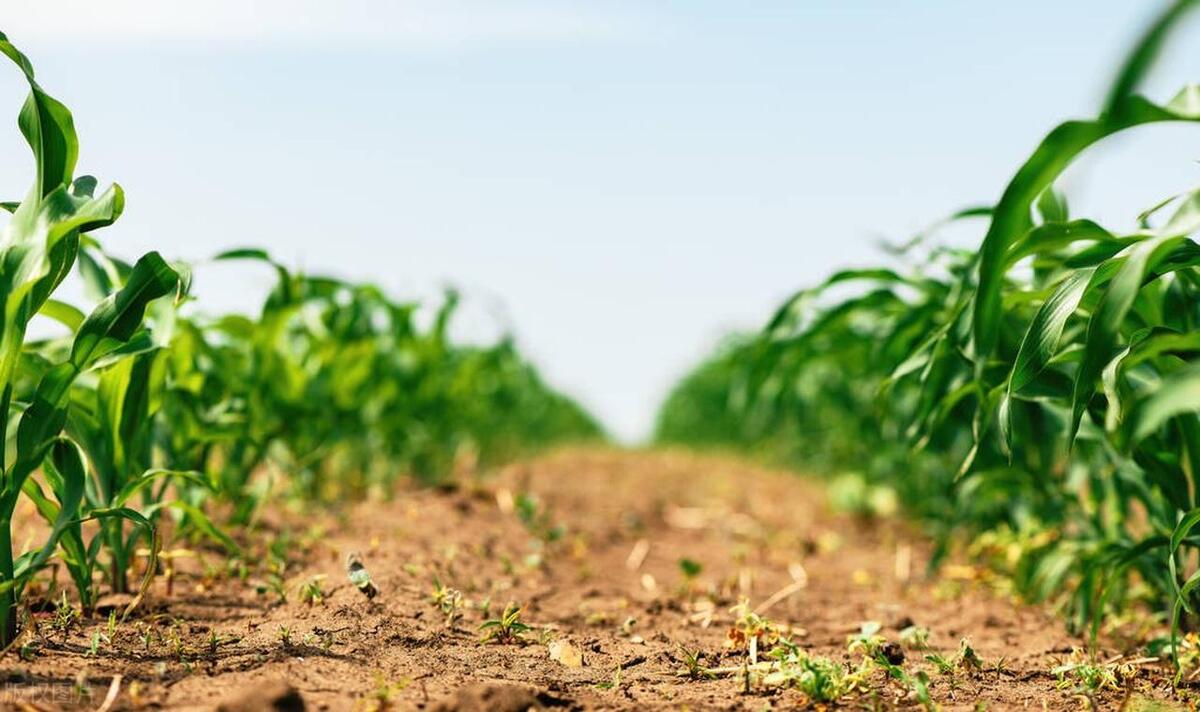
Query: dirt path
{"points": [[609, 586]]}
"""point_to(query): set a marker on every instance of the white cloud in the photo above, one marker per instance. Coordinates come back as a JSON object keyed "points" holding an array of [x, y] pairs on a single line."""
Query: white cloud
{"points": [[378, 23]]}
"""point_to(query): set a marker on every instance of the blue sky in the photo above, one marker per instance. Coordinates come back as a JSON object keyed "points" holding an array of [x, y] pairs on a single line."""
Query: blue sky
{"points": [[620, 183]]}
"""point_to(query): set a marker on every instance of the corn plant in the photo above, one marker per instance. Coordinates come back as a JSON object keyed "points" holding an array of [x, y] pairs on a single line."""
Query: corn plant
{"points": [[150, 416], [1043, 389], [115, 416], [335, 384], [38, 249]]}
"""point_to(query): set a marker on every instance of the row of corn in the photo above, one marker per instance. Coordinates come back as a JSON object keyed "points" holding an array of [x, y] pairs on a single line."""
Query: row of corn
{"points": [[1040, 393], [142, 413]]}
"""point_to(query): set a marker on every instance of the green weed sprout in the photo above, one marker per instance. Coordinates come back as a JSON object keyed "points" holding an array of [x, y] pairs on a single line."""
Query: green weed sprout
{"points": [[505, 630]]}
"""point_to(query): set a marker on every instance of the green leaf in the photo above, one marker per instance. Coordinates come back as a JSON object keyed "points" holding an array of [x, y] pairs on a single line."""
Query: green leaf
{"points": [[117, 318], [1052, 156], [1105, 325], [1177, 394], [48, 128], [1041, 340], [63, 313]]}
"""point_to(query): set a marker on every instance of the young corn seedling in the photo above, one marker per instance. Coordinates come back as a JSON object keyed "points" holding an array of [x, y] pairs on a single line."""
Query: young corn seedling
{"points": [[214, 642], [98, 638], [65, 618]]}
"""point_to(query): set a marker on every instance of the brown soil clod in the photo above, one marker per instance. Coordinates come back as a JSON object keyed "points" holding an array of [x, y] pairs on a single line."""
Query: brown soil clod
{"points": [[274, 696], [893, 653], [903, 622], [498, 697]]}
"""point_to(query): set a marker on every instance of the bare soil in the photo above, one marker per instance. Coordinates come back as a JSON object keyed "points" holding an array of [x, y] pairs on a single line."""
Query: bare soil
{"points": [[596, 570]]}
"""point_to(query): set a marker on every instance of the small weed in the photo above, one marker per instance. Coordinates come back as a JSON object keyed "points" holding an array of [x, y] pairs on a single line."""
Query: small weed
{"points": [[693, 665], [964, 659], [751, 632], [236, 568], [944, 666], [384, 692], [915, 637], [505, 630], [690, 568], [311, 591], [273, 583], [28, 651], [1086, 677], [536, 518], [819, 678], [967, 658], [919, 684], [612, 684], [867, 641], [447, 600]]}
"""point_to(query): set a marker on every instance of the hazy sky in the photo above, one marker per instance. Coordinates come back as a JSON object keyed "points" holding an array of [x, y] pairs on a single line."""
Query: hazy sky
{"points": [[620, 183]]}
